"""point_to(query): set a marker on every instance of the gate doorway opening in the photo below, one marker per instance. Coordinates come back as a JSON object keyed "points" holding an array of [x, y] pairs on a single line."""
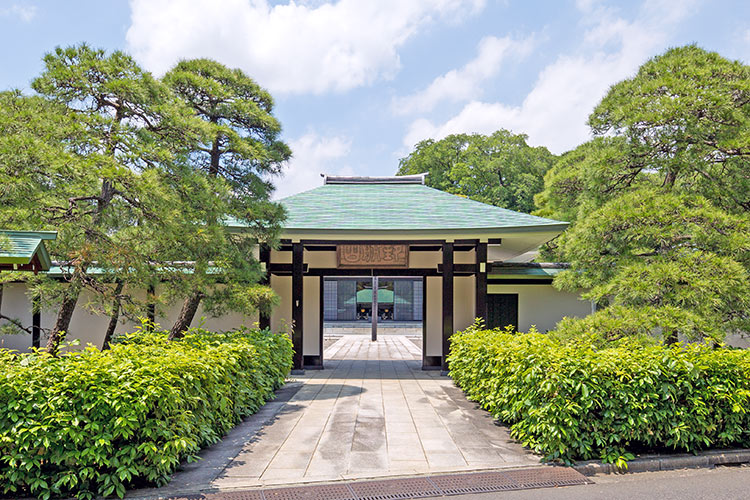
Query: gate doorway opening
{"points": [[373, 305]]}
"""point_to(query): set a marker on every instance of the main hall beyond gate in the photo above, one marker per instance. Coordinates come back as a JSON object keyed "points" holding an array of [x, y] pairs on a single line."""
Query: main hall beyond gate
{"points": [[467, 255]]}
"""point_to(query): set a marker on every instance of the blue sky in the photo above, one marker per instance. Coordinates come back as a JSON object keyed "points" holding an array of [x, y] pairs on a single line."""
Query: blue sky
{"points": [[358, 82]]}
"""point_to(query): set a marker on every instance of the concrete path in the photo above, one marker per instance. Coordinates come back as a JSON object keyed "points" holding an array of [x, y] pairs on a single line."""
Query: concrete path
{"points": [[371, 413]]}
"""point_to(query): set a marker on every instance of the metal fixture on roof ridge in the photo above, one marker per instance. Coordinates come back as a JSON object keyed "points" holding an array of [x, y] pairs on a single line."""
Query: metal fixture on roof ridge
{"points": [[358, 179]]}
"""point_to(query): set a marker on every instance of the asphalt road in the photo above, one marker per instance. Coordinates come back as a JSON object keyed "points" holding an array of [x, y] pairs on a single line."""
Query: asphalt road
{"points": [[721, 483]]}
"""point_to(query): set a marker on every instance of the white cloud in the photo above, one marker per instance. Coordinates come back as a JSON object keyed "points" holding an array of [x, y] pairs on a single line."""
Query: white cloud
{"points": [[293, 47], [554, 113], [23, 12], [743, 43], [312, 155], [465, 83]]}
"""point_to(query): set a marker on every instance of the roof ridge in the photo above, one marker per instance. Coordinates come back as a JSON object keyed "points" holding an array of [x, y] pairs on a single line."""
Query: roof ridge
{"points": [[383, 179]]}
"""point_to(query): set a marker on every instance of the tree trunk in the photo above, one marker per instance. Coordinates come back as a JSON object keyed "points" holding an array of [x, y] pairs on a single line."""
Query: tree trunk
{"points": [[62, 323], [670, 179], [65, 313], [189, 307], [114, 315], [213, 168]]}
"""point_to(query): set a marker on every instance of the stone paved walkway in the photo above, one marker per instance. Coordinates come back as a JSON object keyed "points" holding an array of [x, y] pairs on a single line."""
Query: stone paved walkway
{"points": [[372, 412]]}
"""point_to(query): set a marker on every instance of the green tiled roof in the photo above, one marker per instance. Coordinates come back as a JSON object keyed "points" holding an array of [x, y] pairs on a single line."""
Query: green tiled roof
{"points": [[392, 206], [526, 270], [364, 296], [19, 247]]}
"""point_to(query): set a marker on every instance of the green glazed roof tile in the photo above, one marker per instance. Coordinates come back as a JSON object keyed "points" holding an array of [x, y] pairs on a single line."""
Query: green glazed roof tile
{"points": [[19, 247], [389, 206]]}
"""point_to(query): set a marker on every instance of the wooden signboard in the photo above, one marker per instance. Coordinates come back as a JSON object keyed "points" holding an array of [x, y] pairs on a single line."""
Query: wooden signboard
{"points": [[373, 256]]}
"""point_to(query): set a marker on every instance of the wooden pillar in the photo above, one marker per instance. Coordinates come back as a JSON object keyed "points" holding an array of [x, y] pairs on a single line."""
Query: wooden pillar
{"points": [[374, 309], [151, 307], [264, 320], [36, 322], [480, 280], [447, 301], [297, 306]]}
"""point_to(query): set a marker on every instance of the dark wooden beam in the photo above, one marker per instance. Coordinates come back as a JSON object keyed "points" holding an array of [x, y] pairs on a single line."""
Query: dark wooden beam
{"points": [[297, 305], [370, 242], [320, 248], [151, 307], [461, 268], [447, 301], [424, 322], [286, 270], [36, 321], [374, 310], [321, 320], [264, 320], [519, 281], [480, 281]]}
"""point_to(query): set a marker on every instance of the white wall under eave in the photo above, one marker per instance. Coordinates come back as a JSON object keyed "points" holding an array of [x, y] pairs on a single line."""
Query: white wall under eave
{"points": [[17, 305], [324, 259], [543, 306], [311, 315], [281, 317], [464, 297], [228, 321], [88, 327], [434, 316]]}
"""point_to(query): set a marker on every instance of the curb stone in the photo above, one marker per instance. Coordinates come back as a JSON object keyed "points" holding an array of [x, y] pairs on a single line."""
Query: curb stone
{"points": [[653, 463]]}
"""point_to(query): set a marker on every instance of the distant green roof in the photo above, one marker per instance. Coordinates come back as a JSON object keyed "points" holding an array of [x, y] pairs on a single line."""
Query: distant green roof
{"points": [[526, 270], [364, 296], [387, 204], [18, 248]]}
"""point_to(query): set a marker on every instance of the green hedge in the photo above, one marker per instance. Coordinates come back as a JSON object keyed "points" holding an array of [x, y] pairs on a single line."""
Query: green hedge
{"points": [[95, 423], [571, 400]]}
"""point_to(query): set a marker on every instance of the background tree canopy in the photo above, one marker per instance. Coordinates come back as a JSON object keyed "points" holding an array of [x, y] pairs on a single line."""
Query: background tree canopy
{"points": [[139, 176], [659, 201], [499, 169]]}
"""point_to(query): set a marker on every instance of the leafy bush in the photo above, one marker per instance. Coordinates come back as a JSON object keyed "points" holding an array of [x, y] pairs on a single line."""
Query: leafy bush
{"points": [[97, 422], [573, 400]]}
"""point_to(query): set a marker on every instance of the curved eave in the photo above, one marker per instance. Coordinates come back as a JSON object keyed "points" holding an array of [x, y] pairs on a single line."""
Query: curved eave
{"points": [[500, 231]]}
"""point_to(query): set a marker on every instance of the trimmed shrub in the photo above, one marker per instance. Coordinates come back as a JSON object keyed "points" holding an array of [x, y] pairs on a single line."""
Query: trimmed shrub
{"points": [[94, 423], [574, 400]]}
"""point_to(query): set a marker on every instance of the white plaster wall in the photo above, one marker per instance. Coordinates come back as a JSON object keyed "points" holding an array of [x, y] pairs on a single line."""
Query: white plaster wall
{"points": [[425, 260], [465, 257], [88, 327], [18, 306], [543, 305], [434, 317], [281, 318], [464, 305], [319, 259], [278, 257], [737, 340], [311, 315]]}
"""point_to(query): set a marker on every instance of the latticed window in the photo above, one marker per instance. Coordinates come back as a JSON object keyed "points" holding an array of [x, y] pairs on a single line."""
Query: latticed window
{"points": [[417, 303], [346, 305], [330, 300]]}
